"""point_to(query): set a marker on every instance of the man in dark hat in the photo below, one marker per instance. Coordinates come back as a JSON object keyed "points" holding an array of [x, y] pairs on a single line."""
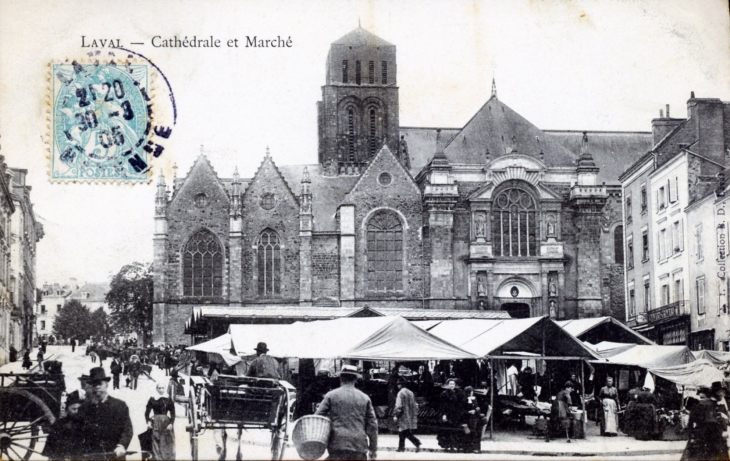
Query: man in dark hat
{"points": [[65, 438], [107, 426], [354, 432], [264, 366]]}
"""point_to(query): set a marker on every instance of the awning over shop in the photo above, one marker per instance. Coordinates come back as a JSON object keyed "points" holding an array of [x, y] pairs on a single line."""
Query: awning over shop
{"points": [[645, 356], [717, 358], [701, 372], [598, 329], [371, 338], [537, 336], [221, 346]]}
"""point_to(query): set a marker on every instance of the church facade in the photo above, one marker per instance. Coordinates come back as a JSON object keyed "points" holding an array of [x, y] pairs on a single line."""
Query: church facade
{"points": [[498, 215]]}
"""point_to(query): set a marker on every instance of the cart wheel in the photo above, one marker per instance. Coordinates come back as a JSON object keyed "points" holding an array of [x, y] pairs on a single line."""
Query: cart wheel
{"points": [[22, 418], [278, 432], [193, 424]]}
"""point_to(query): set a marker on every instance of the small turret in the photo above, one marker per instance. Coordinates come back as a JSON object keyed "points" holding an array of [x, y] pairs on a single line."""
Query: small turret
{"points": [[161, 196], [587, 168], [235, 207]]}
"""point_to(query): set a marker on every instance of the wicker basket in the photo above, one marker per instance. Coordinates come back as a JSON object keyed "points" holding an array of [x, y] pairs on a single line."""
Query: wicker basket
{"points": [[310, 436]]}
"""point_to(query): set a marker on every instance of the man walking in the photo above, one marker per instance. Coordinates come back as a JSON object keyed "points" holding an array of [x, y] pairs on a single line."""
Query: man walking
{"points": [[406, 415], [73, 345], [264, 366], [116, 369], [354, 425], [107, 426]]}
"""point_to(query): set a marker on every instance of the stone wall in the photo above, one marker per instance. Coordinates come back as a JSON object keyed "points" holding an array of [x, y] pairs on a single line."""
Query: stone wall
{"points": [[403, 196], [325, 267], [185, 218], [283, 219]]}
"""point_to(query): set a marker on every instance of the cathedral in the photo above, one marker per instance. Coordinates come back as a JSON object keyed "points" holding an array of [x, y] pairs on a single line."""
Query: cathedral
{"points": [[498, 216]]}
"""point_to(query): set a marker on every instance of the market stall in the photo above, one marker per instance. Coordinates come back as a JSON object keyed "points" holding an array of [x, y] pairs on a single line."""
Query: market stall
{"points": [[218, 350], [598, 329], [720, 359], [537, 340]]}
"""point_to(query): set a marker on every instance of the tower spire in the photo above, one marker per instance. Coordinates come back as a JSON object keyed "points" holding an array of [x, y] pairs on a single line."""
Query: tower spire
{"points": [[494, 87]]}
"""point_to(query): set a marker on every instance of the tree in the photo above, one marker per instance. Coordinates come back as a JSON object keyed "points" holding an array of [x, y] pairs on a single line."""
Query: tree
{"points": [[130, 300], [73, 320], [100, 324]]}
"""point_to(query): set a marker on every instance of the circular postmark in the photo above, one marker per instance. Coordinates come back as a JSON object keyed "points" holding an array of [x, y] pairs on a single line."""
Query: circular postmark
{"points": [[101, 120]]}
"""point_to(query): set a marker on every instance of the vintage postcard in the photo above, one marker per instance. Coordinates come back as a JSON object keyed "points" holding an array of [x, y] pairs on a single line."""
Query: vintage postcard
{"points": [[368, 229]]}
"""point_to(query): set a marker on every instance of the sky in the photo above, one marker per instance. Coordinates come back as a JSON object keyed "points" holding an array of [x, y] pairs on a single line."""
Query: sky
{"points": [[580, 65]]}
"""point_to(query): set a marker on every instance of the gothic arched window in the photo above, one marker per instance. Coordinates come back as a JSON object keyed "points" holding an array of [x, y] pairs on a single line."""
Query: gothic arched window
{"points": [[203, 265], [514, 232], [618, 245], [385, 252], [269, 263]]}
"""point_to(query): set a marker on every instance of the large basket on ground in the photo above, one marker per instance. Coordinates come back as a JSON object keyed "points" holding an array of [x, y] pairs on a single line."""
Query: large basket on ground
{"points": [[310, 436]]}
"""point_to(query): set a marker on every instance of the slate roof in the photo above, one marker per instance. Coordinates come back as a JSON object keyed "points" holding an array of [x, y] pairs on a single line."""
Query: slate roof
{"points": [[422, 144], [497, 128], [613, 151], [327, 192], [97, 292], [361, 37]]}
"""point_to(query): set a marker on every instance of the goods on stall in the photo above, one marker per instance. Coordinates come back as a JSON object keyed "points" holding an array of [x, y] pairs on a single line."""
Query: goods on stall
{"points": [[311, 435]]}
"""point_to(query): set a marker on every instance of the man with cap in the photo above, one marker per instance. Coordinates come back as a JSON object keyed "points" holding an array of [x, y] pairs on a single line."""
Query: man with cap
{"points": [[107, 426], [264, 366], [405, 414], [354, 431]]}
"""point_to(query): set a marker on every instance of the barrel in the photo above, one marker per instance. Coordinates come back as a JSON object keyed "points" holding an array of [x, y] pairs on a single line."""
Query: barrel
{"points": [[310, 436]]}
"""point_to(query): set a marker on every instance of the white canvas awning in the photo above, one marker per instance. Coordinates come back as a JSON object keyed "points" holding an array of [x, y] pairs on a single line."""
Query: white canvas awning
{"points": [[368, 338], [698, 373], [645, 356], [221, 346], [536, 336]]}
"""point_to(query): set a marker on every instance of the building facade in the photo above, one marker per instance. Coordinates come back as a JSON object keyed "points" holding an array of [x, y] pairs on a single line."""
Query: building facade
{"points": [[25, 232], [7, 208], [673, 276], [53, 297], [496, 215]]}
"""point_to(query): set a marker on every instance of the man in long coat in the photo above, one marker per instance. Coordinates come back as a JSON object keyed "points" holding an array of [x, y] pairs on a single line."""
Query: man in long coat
{"points": [[406, 415], [354, 432], [107, 425]]}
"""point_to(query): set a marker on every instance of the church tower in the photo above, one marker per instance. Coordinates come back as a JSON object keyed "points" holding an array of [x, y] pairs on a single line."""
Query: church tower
{"points": [[358, 112]]}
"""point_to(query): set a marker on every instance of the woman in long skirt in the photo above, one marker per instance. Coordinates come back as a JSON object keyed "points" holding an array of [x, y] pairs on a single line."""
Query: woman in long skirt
{"points": [[609, 399], [162, 423]]}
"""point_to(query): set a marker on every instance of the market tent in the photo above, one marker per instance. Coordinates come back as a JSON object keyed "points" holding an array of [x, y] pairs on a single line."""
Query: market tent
{"points": [[221, 346], [598, 329], [701, 372], [651, 356], [536, 336], [717, 358], [609, 349], [245, 337], [373, 338]]}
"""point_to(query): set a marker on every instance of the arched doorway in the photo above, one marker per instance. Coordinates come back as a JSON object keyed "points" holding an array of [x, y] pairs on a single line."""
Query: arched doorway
{"points": [[517, 310]]}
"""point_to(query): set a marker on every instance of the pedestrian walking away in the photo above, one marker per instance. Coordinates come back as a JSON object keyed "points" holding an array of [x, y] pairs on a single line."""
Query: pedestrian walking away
{"points": [[264, 366], [39, 357], [406, 416], [27, 363], [73, 345], [116, 369], [107, 425], [354, 433], [160, 417]]}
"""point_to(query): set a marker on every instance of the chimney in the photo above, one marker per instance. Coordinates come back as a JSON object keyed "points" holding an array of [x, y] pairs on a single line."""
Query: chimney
{"points": [[706, 118], [662, 126]]}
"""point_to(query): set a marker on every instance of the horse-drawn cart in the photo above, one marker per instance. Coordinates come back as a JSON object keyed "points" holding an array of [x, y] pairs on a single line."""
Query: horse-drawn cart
{"points": [[235, 402], [29, 405]]}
